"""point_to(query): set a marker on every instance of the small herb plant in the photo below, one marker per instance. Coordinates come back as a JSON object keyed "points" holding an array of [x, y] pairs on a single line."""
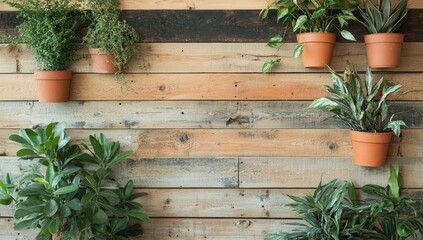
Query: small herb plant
{"points": [[384, 16], [49, 29], [73, 195], [321, 17], [362, 108], [110, 34]]}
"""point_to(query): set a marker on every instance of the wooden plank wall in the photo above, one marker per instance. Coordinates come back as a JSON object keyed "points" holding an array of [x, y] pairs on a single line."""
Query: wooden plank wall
{"points": [[216, 142]]}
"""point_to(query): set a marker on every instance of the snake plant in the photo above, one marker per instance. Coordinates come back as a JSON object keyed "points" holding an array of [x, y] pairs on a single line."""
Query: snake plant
{"points": [[383, 16]]}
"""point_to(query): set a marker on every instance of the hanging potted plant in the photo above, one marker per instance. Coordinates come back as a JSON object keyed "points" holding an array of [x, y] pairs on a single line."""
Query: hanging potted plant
{"points": [[382, 19], [49, 29], [313, 21], [366, 111], [111, 41], [69, 191]]}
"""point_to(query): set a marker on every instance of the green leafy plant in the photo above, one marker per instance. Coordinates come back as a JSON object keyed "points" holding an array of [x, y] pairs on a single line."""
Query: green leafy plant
{"points": [[73, 194], [49, 29], [387, 214], [362, 108], [334, 211], [325, 213], [110, 34], [309, 16], [384, 16]]}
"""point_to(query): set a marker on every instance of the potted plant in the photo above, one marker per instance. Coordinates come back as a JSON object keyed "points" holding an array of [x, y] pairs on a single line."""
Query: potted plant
{"points": [[111, 41], [314, 26], [49, 29], [382, 19], [73, 195], [365, 110]]}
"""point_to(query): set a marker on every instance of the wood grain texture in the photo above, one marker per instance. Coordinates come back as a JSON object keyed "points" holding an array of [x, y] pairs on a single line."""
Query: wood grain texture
{"points": [[216, 143], [219, 26], [184, 228], [307, 86], [197, 4], [184, 114], [216, 58], [218, 203], [161, 172], [306, 172]]}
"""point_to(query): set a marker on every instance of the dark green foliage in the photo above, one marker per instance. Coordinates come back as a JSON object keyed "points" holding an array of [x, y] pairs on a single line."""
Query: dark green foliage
{"points": [[50, 30], [383, 16], [362, 108], [73, 192], [111, 34], [322, 18], [333, 212]]}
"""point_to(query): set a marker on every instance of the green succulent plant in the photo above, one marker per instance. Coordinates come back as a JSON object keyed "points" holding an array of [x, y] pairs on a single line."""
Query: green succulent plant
{"points": [[384, 16], [362, 108], [49, 29], [110, 34], [320, 18], [73, 193]]}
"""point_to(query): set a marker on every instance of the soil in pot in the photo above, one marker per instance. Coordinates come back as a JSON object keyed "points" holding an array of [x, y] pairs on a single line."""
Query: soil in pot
{"points": [[384, 49], [318, 49], [53, 86], [370, 149], [102, 62]]}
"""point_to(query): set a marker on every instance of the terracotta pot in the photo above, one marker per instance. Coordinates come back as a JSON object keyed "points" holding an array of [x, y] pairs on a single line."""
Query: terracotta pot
{"points": [[53, 86], [384, 49], [370, 149], [318, 49], [102, 62]]}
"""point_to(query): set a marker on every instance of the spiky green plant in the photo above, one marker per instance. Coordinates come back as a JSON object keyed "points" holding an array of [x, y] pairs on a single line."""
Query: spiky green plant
{"points": [[362, 108], [384, 16]]}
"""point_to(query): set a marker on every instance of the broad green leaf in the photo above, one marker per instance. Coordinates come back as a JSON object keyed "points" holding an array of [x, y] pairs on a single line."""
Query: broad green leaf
{"points": [[299, 48], [120, 157], [281, 13], [268, 65], [300, 22], [100, 217], [34, 189], [140, 216], [128, 188], [273, 42], [66, 189], [51, 208], [19, 139], [318, 13], [74, 204], [98, 149], [119, 224], [347, 35], [26, 153], [93, 183], [27, 223], [54, 225]]}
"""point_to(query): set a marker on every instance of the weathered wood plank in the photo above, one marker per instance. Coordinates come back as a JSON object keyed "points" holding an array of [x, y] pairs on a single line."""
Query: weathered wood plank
{"points": [[184, 228], [219, 26], [306, 172], [216, 58], [162, 172], [306, 86], [184, 114], [218, 203], [216, 143], [197, 5]]}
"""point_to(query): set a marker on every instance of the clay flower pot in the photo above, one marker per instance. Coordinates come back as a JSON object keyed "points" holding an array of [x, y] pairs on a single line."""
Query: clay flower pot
{"points": [[53, 86], [318, 49], [370, 149], [102, 62], [384, 49]]}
